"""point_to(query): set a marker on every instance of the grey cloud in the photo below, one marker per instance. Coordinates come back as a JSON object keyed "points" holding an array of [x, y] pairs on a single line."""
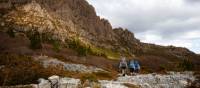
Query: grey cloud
{"points": [[169, 20], [193, 1]]}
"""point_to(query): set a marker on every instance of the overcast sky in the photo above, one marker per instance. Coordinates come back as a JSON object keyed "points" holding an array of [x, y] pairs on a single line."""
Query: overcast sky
{"points": [[165, 22]]}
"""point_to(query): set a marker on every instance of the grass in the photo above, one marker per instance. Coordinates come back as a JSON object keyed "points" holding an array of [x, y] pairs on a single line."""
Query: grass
{"points": [[85, 49], [105, 52], [77, 45]]}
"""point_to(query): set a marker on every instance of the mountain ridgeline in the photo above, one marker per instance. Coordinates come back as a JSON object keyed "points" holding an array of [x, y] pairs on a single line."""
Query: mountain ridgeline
{"points": [[74, 24]]}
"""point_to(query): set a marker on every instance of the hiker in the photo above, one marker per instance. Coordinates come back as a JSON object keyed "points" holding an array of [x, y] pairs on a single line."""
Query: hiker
{"points": [[123, 66], [137, 66], [132, 67]]}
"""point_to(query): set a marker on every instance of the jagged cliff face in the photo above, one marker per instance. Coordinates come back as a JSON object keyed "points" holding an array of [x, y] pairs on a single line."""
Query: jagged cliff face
{"points": [[68, 19]]}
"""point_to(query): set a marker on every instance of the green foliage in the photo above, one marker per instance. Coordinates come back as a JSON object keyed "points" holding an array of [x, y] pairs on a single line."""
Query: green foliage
{"points": [[35, 40], [82, 50], [105, 52], [47, 37], [11, 33], [186, 64], [56, 45], [97, 51]]}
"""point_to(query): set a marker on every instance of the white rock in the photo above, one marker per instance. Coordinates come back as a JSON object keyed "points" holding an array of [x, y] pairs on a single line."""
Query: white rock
{"points": [[171, 80], [69, 83], [44, 83]]}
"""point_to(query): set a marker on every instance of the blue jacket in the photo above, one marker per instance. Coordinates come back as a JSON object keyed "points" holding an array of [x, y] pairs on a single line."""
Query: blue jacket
{"points": [[137, 65], [132, 64]]}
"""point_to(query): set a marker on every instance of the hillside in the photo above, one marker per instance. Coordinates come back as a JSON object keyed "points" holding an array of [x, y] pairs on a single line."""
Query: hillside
{"points": [[70, 31]]}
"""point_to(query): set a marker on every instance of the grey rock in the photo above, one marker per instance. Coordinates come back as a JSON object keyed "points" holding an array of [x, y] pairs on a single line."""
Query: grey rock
{"points": [[57, 82], [49, 61], [171, 80], [44, 83]]}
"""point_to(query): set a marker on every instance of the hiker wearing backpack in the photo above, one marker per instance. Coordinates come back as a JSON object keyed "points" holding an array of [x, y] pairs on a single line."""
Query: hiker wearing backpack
{"points": [[137, 66], [132, 67], [123, 66]]}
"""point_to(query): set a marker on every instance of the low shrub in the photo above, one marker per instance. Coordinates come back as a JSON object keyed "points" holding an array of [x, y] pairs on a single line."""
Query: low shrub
{"points": [[11, 33], [35, 40], [82, 49], [186, 64], [20, 70], [162, 68], [56, 45]]}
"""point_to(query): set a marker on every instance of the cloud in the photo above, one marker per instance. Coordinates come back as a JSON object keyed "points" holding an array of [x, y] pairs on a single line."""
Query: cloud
{"points": [[155, 21], [193, 1]]}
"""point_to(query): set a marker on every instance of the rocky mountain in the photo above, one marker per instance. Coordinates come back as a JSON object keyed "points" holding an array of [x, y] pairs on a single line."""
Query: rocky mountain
{"points": [[71, 31], [67, 19]]}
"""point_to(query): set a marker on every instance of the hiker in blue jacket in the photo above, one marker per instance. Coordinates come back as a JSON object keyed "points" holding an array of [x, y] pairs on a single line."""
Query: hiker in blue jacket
{"points": [[137, 66], [123, 66], [132, 67]]}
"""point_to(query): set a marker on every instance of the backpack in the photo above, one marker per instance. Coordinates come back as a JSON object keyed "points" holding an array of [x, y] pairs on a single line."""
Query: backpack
{"points": [[132, 64], [123, 63], [137, 65]]}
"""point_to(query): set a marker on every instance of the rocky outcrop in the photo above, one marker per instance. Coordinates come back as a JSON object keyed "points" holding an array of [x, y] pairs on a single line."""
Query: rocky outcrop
{"points": [[53, 62], [128, 40], [58, 82], [170, 80], [32, 17]]}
